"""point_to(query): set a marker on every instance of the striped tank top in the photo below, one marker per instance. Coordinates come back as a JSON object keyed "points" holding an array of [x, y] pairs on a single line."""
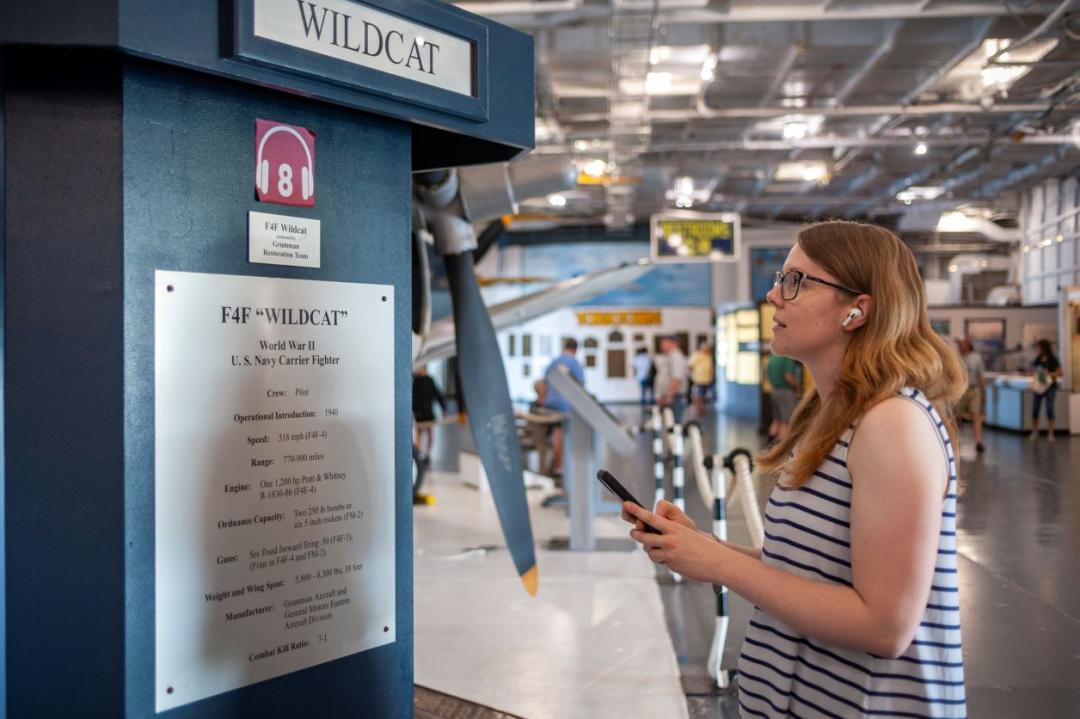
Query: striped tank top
{"points": [[807, 534]]}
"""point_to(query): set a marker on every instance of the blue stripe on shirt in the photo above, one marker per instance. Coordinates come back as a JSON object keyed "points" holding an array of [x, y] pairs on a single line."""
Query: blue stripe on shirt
{"points": [[822, 495], [837, 658], [803, 528], [759, 697], [830, 478], [842, 680], [801, 508], [805, 548], [806, 567], [747, 710]]}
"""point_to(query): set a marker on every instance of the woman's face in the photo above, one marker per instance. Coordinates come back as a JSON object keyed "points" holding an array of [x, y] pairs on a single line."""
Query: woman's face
{"points": [[805, 327]]}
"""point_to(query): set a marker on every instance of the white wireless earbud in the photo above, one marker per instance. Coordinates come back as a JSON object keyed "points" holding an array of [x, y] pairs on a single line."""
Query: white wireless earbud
{"points": [[855, 312]]}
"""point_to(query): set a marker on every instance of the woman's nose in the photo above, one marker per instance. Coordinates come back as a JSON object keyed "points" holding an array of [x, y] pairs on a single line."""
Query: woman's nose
{"points": [[773, 296]]}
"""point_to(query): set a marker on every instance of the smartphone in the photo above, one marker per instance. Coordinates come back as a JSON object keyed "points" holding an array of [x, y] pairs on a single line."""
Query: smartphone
{"points": [[615, 486]]}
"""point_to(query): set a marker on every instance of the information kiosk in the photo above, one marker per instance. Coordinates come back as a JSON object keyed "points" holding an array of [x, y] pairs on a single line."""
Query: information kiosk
{"points": [[207, 346], [589, 427]]}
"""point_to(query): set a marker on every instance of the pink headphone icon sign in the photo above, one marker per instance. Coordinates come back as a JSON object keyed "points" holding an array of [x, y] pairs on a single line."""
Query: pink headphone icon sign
{"points": [[262, 167]]}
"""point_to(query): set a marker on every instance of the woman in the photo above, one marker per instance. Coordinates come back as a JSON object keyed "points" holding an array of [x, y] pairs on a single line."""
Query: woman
{"points": [[1047, 371], [855, 589]]}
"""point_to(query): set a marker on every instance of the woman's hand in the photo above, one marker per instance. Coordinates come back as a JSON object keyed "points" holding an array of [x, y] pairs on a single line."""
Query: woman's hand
{"points": [[665, 509], [680, 546]]}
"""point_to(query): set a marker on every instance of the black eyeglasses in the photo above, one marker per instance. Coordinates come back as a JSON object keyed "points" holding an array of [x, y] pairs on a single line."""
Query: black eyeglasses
{"points": [[789, 283]]}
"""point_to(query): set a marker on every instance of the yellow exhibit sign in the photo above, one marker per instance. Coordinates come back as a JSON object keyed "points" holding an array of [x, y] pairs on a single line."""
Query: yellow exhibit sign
{"points": [[633, 317], [684, 236]]}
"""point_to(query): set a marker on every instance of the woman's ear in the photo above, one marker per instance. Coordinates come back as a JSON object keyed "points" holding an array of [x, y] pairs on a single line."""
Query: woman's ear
{"points": [[858, 315]]}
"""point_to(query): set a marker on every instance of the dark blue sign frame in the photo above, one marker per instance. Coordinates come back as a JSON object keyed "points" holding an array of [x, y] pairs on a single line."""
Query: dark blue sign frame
{"points": [[244, 45]]}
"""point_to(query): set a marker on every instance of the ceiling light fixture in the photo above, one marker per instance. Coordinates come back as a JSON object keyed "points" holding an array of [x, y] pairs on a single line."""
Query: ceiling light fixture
{"points": [[921, 148], [955, 221], [797, 127], [594, 168], [916, 192], [557, 200], [708, 68], [657, 82], [808, 171]]}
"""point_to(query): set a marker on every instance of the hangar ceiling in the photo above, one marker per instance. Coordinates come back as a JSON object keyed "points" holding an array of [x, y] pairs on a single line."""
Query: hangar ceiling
{"points": [[799, 109]]}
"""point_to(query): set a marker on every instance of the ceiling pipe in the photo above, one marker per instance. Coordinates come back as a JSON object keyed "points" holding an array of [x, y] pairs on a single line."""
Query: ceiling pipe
{"points": [[493, 9], [981, 28], [790, 58], [869, 64], [1019, 175], [552, 13], [767, 113], [828, 142], [1036, 33]]}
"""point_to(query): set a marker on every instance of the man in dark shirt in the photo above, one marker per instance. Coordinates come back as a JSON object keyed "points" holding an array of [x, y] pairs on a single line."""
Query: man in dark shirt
{"points": [[425, 393]]}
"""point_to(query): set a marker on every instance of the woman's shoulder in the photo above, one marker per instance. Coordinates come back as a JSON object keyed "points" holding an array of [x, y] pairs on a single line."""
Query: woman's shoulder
{"points": [[900, 417], [902, 407], [901, 429]]}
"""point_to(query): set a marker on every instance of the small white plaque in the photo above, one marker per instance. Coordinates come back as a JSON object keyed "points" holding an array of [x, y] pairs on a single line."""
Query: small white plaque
{"points": [[274, 478], [362, 35], [283, 240]]}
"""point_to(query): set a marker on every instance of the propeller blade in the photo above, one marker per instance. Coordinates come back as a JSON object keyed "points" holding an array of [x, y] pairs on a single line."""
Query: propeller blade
{"points": [[491, 416]]}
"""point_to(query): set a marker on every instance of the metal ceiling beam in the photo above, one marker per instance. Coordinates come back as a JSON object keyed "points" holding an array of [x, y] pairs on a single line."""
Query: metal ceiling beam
{"points": [[808, 13], [890, 119], [838, 100], [792, 55], [854, 185], [1019, 175], [828, 142], [870, 63], [766, 113], [531, 15], [1045, 25]]}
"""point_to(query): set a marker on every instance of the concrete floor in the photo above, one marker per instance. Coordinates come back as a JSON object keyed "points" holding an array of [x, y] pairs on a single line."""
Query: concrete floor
{"points": [[592, 643], [1019, 545]]}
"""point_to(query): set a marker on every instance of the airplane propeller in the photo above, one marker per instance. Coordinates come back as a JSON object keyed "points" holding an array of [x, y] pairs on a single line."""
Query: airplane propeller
{"points": [[448, 203]]}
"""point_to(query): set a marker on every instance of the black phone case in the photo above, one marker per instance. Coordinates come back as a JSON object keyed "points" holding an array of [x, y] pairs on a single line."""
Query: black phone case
{"points": [[615, 486]]}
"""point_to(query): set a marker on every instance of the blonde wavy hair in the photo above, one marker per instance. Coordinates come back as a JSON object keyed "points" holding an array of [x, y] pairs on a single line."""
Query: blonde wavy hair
{"points": [[896, 347]]}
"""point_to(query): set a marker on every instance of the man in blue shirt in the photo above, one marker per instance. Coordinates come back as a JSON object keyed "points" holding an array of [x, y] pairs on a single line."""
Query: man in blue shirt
{"points": [[557, 402]]}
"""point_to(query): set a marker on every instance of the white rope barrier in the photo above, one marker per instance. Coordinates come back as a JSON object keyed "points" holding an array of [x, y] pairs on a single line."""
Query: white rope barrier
{"points": [[739, 462], [695, 458]]}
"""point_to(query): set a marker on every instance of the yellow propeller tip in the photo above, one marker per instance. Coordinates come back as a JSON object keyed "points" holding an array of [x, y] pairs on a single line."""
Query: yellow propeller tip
{"points": [[531, 580]]}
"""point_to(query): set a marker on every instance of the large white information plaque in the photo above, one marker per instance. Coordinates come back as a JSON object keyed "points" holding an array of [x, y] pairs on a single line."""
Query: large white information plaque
{"points": [[274, 478]]}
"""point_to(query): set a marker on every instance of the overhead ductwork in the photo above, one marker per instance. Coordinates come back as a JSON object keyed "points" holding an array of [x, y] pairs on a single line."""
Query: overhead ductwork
{"points": [[946, 219]]}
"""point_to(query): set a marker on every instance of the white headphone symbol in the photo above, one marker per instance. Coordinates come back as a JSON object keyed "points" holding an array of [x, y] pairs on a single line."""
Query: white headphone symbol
{"points": [[855, 312], [262, 167]]}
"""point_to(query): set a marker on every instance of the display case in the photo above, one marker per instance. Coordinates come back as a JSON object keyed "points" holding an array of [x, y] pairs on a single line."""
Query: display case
{"points": [[1069, 311], [738, 358]]}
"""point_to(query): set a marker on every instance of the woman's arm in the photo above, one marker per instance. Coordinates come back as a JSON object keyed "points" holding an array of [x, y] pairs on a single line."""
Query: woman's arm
{"points": [[670, 512], [898, 469], [752, 552]]}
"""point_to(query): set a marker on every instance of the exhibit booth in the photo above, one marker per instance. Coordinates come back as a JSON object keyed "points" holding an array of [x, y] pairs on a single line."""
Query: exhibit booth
{"points": [[207, 351]]}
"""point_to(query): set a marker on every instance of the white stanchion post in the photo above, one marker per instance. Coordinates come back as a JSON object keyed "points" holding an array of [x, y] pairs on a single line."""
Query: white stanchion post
{"points": [[658, 455], [678, 478], [716, 651]]}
